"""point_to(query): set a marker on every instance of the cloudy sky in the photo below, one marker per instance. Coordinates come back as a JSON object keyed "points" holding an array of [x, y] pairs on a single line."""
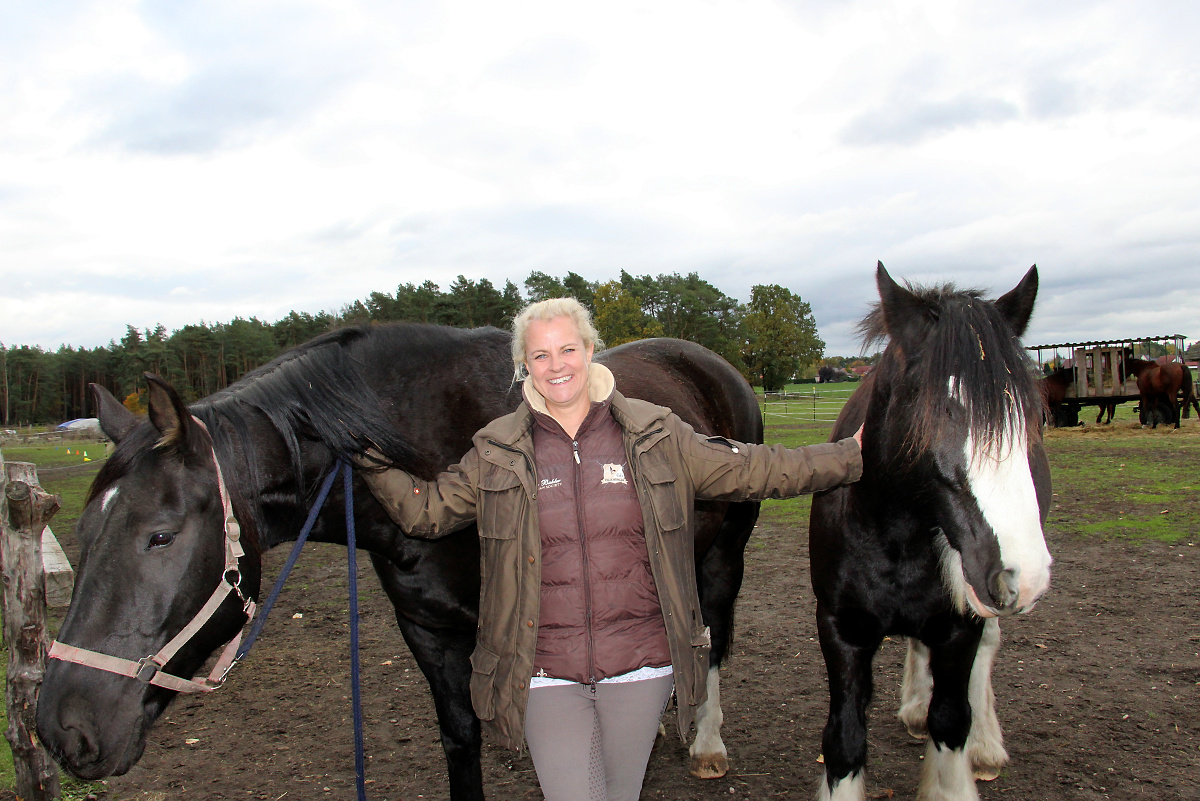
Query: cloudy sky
{"points": [[168, 162]]}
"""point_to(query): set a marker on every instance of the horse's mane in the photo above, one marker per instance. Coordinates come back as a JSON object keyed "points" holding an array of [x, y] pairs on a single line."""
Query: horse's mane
{"points": [[323, 390], [961, 344]]}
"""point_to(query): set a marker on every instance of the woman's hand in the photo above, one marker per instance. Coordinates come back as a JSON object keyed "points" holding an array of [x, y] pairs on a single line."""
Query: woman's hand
{"points": [[858, 436]]}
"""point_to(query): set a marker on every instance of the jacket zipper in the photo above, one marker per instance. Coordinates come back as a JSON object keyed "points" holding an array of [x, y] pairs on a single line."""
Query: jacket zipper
{"points": [[583, 554]]}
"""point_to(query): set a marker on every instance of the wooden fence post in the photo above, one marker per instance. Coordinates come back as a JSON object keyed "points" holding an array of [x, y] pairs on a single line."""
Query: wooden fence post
{"points": [[24, 511]]}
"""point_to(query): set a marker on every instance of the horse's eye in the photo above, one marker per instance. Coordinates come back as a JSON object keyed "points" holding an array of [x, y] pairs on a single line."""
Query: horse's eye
{"points": [[161, 539]]}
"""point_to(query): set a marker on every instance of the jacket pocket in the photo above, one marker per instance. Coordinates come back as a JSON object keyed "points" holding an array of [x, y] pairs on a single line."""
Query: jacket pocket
{"points": [[501, 502], [664, 496], [483, 682]]}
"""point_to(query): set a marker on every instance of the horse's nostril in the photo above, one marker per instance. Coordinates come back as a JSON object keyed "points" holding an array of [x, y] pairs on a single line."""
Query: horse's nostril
{"points": [[1008, 588], [69, 736]]}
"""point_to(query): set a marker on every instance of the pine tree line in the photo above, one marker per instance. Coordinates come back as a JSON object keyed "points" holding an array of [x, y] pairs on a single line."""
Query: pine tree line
{"points": [[769, 339]]}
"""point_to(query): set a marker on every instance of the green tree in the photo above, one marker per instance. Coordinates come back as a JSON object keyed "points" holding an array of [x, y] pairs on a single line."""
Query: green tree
{"points": [[156, 356], [4, 385], [244, 345], [129, 357], [495, 307], [418, 304], [300, 327], [539, 286], [470, 304], [197, 352], [692, 308], [513, 302], [382, 307], [355, 313], [781, 335], [26, 371], [581, 289], [619, 318]]}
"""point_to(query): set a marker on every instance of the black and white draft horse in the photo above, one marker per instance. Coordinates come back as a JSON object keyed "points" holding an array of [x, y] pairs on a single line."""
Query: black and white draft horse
{"points": [[151, 534], [942, 534]]}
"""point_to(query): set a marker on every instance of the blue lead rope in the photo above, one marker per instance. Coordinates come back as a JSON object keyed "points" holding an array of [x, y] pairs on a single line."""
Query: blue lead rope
{"points": [[341, 467], [360, 771]]}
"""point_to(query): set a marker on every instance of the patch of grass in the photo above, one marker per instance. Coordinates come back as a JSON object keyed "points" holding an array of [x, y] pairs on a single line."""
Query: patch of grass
{"points": [[72, 489], [52, 455], [792, 513], [1157, 527], [1116, 481]]}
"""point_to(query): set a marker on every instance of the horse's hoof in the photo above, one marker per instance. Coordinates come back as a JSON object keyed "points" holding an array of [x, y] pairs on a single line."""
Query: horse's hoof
{"points": [[986, 774], [710, 766], [917, 727]]}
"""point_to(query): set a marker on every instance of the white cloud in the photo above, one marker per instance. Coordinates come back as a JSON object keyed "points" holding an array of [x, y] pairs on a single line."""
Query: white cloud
{"points": [[177, 163]]}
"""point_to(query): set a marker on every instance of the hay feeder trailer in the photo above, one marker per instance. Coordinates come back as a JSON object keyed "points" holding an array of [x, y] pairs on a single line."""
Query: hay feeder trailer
{"points": [[1097, 374]]}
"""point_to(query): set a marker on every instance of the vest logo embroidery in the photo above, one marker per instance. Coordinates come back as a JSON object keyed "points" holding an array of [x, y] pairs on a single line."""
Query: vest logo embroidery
{"points": [[549, 483], [614, 474]]}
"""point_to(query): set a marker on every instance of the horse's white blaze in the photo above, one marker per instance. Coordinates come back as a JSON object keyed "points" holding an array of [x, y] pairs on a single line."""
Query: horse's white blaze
{"points": [[946, 775], [709, 717], [1002, 484], [109, 495], [851, 788]]}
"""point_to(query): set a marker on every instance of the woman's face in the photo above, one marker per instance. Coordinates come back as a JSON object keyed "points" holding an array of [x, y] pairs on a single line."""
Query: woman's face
{"points": [[557, 361]]}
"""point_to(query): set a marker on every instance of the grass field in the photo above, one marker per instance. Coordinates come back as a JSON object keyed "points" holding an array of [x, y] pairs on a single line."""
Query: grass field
{"points": [[1110, 482]]}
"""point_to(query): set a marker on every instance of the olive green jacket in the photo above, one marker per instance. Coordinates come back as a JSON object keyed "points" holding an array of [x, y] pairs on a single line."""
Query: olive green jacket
{"points": [[672, 466]]}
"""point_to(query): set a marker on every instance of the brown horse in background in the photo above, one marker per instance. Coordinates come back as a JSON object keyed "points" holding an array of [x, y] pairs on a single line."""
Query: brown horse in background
{"points": [[1187, 388], [1159, 382], [1054, 390]]}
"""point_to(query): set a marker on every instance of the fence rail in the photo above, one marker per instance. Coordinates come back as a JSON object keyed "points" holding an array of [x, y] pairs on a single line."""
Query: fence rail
{"points": [[820, 404]]}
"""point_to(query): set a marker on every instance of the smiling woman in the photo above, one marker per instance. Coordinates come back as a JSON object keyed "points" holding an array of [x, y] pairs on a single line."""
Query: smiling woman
{"points": [[589, 611], [557, 343]]}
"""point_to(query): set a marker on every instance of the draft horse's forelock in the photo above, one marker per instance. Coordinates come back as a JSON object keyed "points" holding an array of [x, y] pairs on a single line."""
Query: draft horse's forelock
{"points": [[416, 394], [943, 531], [951, 351]]}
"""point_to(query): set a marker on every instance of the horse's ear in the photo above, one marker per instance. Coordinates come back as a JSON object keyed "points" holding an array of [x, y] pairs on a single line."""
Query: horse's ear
{"points": [[901, 308], [115, 420], [1017, 305], [168, 414]]}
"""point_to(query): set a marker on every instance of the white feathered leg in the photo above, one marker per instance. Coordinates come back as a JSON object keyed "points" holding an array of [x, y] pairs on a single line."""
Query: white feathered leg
{"points": [[946, 775], [709, 760], [851, 788], [916, 690], [985, 743]]}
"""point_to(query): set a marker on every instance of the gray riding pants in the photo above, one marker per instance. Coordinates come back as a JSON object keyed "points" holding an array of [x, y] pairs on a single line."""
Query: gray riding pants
{"points": [[591, 742]]}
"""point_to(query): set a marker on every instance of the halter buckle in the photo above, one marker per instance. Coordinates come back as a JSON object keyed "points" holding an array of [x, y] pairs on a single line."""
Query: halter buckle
{"points": [[147, 669]]}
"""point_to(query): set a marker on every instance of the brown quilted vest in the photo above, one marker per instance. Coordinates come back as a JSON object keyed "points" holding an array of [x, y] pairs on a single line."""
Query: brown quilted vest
{"points": [[599, 613]]}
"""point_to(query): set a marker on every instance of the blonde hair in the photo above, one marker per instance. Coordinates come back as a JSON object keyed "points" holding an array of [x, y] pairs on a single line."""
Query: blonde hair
{"points": [[548, 310]]}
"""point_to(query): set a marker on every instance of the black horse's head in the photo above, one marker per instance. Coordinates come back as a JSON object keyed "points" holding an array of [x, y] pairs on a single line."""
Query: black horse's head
{"points": [[953, 422], [151, 554]]}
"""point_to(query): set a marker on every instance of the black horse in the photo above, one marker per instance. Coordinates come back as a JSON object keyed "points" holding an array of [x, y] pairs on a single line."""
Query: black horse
{"points": [[942, 534], [152, 543]]}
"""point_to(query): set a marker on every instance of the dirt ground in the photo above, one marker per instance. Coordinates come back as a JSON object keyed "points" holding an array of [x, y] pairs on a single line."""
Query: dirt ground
{"points": [[1098, 691]]}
